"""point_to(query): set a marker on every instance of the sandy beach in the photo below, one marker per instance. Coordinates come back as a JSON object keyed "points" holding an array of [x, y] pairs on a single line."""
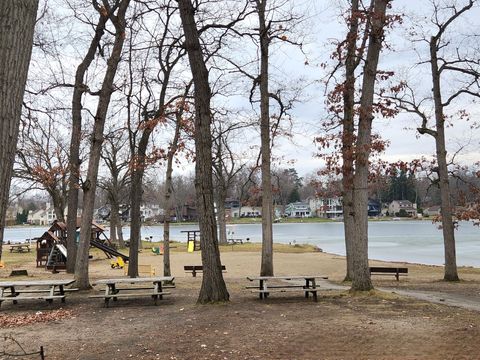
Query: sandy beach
{"points": [[377, 325]]}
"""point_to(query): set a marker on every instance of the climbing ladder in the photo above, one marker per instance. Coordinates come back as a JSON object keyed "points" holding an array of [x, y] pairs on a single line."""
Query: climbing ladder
{"points": [[57, 258]]}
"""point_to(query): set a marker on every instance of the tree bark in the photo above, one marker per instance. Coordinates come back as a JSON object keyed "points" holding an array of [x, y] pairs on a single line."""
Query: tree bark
{"points": [[361, 274], [267, 197], [81, 265], [450, 273], [348, 137], [213, 285], [76, 137], [17, 22], [222, 223], [168, 197]]}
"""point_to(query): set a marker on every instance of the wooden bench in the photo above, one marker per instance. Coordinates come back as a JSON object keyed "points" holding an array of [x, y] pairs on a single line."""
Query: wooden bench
{"points": [[197, 268], [48, 298], [147, 270], [397, 271]]}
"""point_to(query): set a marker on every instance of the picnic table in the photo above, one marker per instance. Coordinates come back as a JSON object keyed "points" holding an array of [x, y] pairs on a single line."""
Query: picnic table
{"points": [[265, 286], [42, 289], [235, 241], [20, 248], [153, 285]]}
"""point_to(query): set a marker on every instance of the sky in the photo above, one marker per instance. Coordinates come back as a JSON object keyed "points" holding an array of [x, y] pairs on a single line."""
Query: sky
{"points": [[405, 143], [323, 24]]}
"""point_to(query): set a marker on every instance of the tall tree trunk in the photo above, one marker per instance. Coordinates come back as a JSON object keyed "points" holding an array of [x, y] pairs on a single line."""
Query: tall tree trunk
{"points": [[213, 286], [121, 241], [58, 204], [267, 197], [17, 22], [168, 195], [348, 137], [89, 189], [451, 273], [74, 157], [361, 273], [113, 221], [222, 224], [135, 216]]}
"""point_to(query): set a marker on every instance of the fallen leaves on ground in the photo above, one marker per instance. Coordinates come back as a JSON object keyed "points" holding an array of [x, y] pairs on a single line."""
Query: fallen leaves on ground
{"points": [[7, 320]]}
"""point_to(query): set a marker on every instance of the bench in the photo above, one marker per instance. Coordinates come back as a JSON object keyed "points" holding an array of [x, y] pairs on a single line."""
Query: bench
{"points": [[397, 271], [197, 268], [147, 270], [48, 298]]}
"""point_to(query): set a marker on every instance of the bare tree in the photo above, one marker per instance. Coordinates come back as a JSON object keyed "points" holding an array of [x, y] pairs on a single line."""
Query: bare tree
{"points": [[80, 89], [17, 22], [359, 50], [226, 166], [213, 286], [175, 145], [117, 183], [462, 66], [154, 95], [363, 144], [116, 15], [42, 160]]}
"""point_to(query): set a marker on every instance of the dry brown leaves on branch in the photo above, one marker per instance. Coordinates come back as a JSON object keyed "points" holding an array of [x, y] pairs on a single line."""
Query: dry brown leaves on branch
{"points": [[7, 320]]}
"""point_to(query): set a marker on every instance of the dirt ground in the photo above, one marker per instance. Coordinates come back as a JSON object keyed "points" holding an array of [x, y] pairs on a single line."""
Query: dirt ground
{"points": [[379, 325]]}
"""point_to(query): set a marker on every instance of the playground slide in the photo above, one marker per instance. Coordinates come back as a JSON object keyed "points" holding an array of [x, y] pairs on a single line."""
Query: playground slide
{"points": [[62, 249], [108, 249]]}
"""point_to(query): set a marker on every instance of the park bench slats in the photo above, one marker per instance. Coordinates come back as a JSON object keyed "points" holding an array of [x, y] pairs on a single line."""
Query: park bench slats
{"points": [[197, 268], [16, 298], [381, 270]]}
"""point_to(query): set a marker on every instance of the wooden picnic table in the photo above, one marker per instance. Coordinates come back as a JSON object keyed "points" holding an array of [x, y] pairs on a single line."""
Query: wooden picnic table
{"points": [[42, 289], [264, 288], [154, 287], [20, 248]]}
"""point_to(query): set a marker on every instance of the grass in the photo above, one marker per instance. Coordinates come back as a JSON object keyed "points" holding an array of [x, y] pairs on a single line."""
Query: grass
{"points": [[245, 247], [16, 260]]}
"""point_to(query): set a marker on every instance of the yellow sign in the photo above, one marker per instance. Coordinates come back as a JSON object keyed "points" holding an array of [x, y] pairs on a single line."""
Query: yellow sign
{"points": [[190, 246]]}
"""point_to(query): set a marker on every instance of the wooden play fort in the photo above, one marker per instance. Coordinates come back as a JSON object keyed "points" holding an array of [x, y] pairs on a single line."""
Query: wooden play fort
{"points": [[52, 245]]}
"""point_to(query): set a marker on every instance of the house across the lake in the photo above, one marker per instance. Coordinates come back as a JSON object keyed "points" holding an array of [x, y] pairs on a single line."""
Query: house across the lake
{"points": [[298, 210], [402, 207]]}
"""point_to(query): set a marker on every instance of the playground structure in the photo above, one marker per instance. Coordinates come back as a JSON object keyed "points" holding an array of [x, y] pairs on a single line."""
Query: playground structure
{"points": [[193, 240], [52, 245]]}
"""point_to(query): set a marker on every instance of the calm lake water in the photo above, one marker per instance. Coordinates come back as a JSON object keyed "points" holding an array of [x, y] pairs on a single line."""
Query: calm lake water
{"points": [[410, 241]]}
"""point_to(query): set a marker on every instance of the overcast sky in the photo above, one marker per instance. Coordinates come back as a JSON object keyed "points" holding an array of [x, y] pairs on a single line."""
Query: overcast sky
{"points": [[405, 144]]}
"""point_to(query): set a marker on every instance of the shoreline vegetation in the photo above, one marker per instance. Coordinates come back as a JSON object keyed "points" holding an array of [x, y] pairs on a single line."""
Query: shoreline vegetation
{"points": [[257, 220]]}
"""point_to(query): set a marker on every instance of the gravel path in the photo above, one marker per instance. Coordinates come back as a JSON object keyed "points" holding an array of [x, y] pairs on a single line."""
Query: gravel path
{"points": [[471, 302]]}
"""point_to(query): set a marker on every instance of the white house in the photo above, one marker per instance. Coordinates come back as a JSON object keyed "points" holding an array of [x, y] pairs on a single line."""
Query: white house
{"points": [[298, 210], [148, 212], [397, 205], [45, 216], [329, 208]]}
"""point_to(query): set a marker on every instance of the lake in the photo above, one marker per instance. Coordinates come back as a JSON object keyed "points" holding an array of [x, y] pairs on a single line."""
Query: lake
{"points": [[409, 241]]}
